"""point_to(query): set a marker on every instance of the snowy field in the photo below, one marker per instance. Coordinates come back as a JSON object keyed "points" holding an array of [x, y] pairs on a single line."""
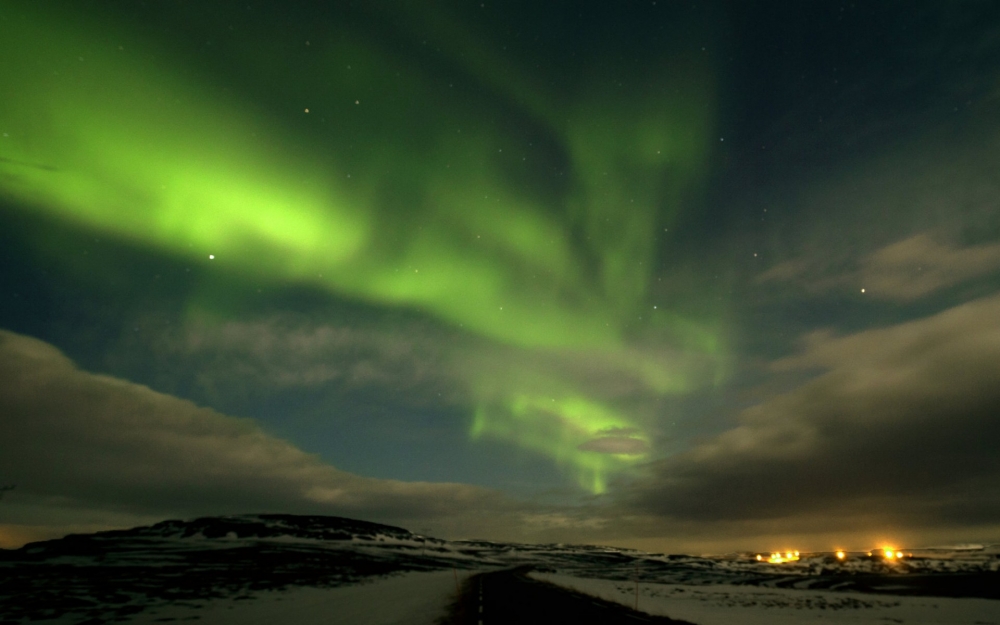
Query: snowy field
{"points": [[748, 605], [407, 599], [410, 599]]}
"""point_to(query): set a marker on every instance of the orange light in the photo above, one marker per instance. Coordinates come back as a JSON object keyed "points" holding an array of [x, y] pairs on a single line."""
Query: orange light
{"points": [[841, 555], [759, 557]]}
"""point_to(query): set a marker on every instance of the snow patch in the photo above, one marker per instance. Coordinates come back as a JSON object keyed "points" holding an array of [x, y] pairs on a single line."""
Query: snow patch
{"points": [[723, 604]]}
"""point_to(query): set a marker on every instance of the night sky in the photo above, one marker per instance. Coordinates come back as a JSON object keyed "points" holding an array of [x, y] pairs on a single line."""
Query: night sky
{"points": [[678, 276]]}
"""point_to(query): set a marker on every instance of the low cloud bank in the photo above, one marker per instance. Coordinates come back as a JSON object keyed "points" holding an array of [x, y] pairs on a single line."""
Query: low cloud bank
{"points": [[92, 450], [898, 430]]}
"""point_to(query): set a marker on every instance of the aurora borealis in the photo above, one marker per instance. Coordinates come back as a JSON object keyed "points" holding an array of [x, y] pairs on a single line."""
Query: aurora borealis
{"points": [[521, 252], [115, 130], [133, 150]]}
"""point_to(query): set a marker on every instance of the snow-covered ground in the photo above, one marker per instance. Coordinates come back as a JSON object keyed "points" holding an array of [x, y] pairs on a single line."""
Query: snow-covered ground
{"points": [[408, 599], [723, 604]]}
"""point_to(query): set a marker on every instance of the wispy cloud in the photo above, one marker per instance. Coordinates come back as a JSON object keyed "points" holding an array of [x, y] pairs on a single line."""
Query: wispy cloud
{"points": [[287, 352], [903, 271], [919, 265], [616, 445], [421, 360], [554, 402]]}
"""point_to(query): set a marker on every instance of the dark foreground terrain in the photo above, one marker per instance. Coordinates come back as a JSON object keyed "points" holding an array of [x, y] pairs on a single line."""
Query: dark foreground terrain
{"points": [[108, 576]]}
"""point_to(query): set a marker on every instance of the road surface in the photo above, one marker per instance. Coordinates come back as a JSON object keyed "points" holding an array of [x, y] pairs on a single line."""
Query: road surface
{"points": [[510, 597]]}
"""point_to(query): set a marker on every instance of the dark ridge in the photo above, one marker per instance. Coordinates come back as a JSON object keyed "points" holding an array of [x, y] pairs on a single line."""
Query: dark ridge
{"points": [[261, 526], [269, 525]]}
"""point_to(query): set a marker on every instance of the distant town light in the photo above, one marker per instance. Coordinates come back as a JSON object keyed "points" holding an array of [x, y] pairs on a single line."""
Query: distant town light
{"points": [[840, 555], [779, 558]]}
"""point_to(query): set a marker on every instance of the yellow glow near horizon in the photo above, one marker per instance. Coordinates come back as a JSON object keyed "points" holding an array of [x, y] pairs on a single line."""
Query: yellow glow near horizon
{"points": [[781, 558]]}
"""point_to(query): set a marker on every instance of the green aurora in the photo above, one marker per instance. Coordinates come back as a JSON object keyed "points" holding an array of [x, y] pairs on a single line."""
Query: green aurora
{"points": [[388, 181]]}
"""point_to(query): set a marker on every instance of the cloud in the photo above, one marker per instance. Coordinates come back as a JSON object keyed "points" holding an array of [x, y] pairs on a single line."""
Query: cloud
{"points": [[552, 402], [902, 271], [91, 452], [423, 361], [899, 427], [286, 352], [904, 220], [87, 448], [616, 445], [919, 265]]}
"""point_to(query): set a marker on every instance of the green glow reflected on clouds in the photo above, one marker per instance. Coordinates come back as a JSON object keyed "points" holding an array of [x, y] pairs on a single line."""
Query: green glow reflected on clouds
{"points": [[557, 427], [406, 200]]}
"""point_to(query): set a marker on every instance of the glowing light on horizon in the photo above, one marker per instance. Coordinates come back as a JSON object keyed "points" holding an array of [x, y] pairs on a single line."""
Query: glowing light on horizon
{"points": [[781, 558], [888, 553]]}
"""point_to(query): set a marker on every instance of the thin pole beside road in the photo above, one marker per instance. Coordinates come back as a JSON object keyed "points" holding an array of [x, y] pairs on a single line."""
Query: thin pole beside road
{"points": [[636, 585]]}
